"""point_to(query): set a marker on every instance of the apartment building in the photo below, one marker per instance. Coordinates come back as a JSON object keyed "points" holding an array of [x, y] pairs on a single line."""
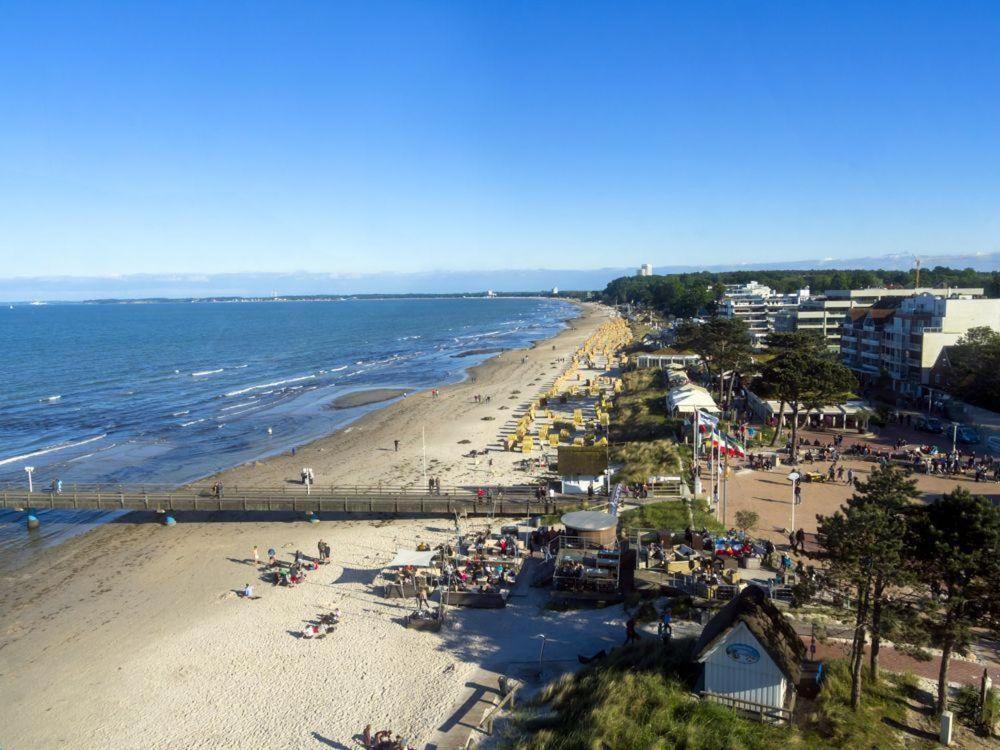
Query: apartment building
{"points": [[645, 270], [826, 314], [761, 308], [902, 337]]}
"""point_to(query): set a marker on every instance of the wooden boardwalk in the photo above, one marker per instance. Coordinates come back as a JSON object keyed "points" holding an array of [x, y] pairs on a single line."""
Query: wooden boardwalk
{"points": [[333, 500]]}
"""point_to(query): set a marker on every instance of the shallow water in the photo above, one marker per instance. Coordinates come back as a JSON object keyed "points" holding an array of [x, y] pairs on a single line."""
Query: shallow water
{"points": [[18, 545]]}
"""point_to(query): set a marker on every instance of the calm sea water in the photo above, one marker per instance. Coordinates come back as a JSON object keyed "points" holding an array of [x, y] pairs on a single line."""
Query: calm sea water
{"points": [[169, 393]]}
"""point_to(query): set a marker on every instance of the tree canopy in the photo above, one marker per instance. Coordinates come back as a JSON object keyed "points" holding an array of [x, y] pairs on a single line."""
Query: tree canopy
{"points": [[688, 294], [803, 374], [956, 541], [974, 375]]}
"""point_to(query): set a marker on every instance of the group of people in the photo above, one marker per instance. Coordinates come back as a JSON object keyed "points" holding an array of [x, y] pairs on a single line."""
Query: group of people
{"points": [[982, 468], [479, 575], [383, 740], [326, 624], [760, 462]]}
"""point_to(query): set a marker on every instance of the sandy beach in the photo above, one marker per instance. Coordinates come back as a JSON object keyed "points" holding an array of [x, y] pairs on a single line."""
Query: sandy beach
{"points": [[134, 636], [447, 426]]}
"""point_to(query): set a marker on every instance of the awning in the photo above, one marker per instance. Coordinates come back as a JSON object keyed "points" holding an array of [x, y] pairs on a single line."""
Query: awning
{"points": [[413, 557]]}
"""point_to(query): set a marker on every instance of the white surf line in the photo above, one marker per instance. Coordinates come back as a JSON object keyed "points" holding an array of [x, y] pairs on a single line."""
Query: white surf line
{"points": [[53, 449], [241, 391]]}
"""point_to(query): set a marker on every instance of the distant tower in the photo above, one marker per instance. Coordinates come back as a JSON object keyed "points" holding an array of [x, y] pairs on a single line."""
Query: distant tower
{"points": [[644, 270]]}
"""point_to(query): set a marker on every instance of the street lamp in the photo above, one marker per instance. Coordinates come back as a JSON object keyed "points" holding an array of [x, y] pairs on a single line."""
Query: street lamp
{"points": [[31, 487], [794, 478]]}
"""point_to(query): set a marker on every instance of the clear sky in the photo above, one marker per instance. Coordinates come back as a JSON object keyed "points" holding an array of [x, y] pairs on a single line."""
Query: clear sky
{"points": [[332, 136]]}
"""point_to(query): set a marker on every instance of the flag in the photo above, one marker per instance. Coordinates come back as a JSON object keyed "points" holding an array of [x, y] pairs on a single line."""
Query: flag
{"points": [[730, 445], [707, 421], [616, 497]]}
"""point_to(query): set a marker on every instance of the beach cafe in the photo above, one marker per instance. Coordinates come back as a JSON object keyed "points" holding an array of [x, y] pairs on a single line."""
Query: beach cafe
{"points": [[483, 569], [409, 570], [689, 398], [849, 415], [711, 565], [588, 559]]}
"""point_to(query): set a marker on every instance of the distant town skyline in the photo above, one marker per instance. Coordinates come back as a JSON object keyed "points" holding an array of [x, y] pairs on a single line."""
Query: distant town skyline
{"points": [[377, 137]]}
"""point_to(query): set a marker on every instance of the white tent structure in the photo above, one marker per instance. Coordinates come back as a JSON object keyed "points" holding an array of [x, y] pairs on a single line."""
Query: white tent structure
{"points": [[417, 559], [689, 398]]}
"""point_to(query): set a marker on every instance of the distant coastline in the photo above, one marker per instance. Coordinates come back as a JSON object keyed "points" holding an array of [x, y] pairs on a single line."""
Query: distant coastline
{"points": [[570, 296]]}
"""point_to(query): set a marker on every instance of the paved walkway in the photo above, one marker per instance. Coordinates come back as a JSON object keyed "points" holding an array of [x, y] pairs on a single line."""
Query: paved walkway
{"points": [[959, 671], [481, 693]]}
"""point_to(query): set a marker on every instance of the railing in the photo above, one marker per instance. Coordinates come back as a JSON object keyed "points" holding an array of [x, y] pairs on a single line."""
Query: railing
{"points": [[515, 502], [287, 490], [760, 711]]}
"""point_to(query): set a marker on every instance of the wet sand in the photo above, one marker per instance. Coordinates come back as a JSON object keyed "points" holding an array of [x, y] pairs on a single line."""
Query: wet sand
{"points": [[366, 398]]}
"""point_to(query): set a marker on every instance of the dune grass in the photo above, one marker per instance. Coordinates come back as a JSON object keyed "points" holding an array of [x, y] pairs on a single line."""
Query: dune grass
{"points": [[832, 724], [640, 698], [640, 411], [641, 460], [671, 514]]}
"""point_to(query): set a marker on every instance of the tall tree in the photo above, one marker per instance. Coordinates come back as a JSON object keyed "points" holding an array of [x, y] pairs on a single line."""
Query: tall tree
{"points": [[974, 371], [865, 543], [957, 541], [723, 345], [805, 377], [783, 341]]}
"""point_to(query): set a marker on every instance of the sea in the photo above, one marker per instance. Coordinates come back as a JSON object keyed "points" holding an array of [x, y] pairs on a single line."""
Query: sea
{"points": [[170, 392]]}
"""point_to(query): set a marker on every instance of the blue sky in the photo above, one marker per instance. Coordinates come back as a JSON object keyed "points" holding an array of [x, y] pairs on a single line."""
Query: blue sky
{"points": [[342, 137]]}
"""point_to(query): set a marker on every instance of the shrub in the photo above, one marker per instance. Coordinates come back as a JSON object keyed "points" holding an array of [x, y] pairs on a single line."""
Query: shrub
{"points": [[747, 519]]}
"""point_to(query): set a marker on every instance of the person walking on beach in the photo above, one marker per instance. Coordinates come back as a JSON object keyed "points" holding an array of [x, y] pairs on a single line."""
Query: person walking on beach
{"points": [[395, 444], [256, 556], [422, 597]]}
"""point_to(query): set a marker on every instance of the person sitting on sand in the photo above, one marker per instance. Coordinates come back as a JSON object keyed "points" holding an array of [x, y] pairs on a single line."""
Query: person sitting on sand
{"points": [[310, 631], [366, 737], [248, 591]]}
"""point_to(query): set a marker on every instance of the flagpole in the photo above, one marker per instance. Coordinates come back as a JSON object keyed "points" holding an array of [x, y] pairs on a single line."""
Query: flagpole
{"points": [[696, 478], [725, 487], [715, 471]]}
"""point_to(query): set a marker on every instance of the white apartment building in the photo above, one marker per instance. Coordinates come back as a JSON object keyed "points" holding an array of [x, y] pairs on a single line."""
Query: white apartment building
{"points": [[904, 337], [827, 313], [761, 308], [645, 270]]}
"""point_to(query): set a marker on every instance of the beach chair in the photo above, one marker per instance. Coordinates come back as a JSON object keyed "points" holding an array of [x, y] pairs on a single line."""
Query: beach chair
{"points": [[554, 440]]}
